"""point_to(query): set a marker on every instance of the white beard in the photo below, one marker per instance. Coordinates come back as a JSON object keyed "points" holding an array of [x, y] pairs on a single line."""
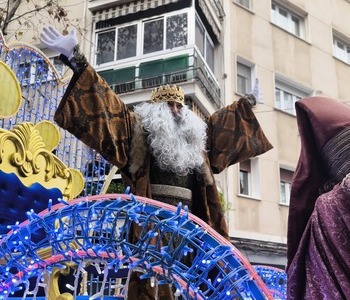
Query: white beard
{"points": [[177, 143]]}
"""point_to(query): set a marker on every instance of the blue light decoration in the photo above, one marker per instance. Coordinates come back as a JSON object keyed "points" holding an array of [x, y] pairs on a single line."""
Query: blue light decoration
{"points": [[98, 227], [43, 86], [275, 280]]}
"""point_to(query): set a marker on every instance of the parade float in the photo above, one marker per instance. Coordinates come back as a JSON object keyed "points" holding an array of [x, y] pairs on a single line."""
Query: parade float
{"points": [[64, 235]]}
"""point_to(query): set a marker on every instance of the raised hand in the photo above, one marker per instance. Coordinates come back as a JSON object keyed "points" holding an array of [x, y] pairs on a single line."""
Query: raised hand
{"points": [[54, 40]]}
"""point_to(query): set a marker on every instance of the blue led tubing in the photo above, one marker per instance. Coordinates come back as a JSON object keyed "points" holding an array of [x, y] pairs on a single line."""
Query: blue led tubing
{"points": [[96, 229]]}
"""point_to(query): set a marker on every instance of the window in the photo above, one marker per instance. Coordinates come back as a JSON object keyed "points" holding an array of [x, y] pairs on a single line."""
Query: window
{"points": [[204, 44], [127, 40], [287, 93], [244, 78], [37, 70], [244, 177], [285, 185], [245, 3], [288, 20], [165, 32], [153, 36], [106, 47], [58, 64], [110, 48], [249, 178], [24, 72], [41, 70], [176, 31], [44, 73], [341, 48]]}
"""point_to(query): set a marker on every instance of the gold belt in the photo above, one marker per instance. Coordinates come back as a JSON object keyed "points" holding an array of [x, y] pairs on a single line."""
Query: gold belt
{"points": [[171, 194]]}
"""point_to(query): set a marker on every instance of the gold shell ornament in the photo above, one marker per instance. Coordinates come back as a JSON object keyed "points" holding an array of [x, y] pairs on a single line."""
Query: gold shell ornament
{"points": [[49, 133]]}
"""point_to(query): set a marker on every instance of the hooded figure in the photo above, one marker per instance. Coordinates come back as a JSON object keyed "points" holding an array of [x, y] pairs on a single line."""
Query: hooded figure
{"points": [[318, 246]]}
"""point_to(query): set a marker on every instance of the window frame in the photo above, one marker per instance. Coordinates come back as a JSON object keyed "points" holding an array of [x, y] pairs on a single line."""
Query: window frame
{"points": [[31, 71], [286, 22], [286, 86], [140, 31], [343, 55], [250, 68], [287, 188], [286, 176], [247, 4], [206, 39], [114, 29], [245, 177], [60, 71], [144, 23], [117, 40], [166, 30], [253, 177]]}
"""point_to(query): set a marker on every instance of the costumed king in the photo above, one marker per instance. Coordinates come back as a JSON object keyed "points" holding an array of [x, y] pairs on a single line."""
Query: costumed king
{"points": [[163, 150]]}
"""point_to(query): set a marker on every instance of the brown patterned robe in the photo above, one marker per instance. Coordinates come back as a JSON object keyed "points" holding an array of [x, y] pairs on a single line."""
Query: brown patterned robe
{"points": [[95, 114]]}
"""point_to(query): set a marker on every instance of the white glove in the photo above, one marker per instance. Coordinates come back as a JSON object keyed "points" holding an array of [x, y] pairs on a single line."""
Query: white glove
{"points": [[63, 44]]}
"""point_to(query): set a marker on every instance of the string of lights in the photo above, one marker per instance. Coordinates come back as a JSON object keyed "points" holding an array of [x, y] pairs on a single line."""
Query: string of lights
{"points": [[99, 227]]}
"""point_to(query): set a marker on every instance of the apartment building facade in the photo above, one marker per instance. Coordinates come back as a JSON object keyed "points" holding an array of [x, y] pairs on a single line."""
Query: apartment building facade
{"points": [[218, 50]]}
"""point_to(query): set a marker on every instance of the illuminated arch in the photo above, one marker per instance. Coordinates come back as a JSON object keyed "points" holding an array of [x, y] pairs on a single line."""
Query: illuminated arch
{"points": [[73, 229]]}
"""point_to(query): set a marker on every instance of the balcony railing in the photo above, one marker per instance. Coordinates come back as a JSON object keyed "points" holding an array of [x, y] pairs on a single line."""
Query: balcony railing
{"points": [[177, 69]]}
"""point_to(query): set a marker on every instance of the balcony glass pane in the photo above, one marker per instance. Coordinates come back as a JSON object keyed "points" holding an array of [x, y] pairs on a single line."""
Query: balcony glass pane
{"points": [[153, 36], [283, 196], [244, 185], [177, 31], [288, 102], [105, 47], [127, 38], [242, 84], [278, 98], [209, 54], [200, 37], [296, 26], [243, 3], [58, 65]]}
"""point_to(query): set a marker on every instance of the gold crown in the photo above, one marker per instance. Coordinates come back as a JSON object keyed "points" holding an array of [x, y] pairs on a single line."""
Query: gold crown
{"points": [[166, 94]]}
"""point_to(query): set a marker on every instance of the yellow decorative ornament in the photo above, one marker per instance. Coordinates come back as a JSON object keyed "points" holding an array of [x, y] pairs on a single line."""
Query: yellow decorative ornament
{"points": [[23, 152], [10, 92], [49, 134]]}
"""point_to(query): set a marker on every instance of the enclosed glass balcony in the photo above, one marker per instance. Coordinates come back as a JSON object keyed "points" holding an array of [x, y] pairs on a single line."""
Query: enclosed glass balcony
{"points": [[177, 69]]}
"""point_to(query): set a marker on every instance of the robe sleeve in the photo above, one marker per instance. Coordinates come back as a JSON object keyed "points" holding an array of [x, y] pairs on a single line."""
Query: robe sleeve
{"points": [[92, 112], [234, 135]]}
